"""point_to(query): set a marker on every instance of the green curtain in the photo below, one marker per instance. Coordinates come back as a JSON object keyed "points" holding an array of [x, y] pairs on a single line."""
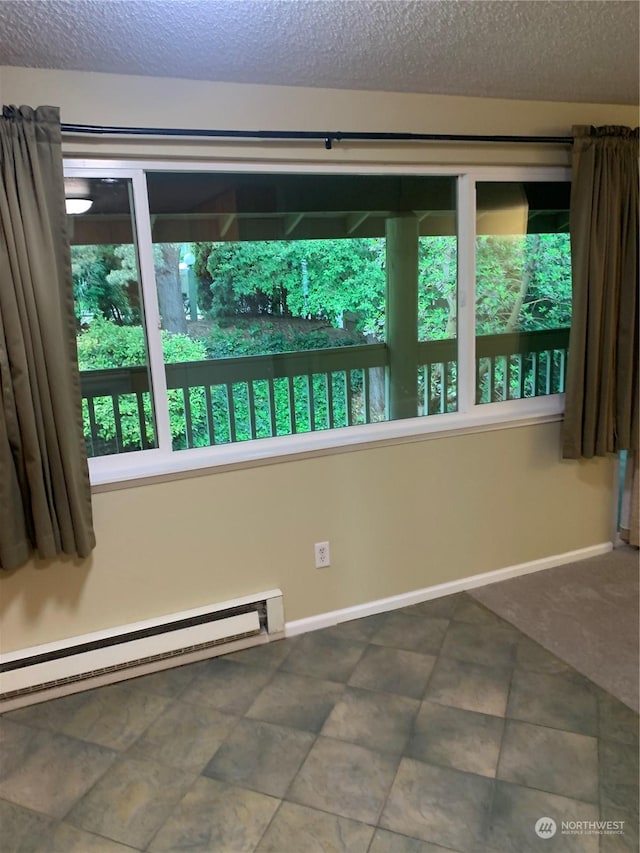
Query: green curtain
{"points": [[601, 413], [45, 499]]}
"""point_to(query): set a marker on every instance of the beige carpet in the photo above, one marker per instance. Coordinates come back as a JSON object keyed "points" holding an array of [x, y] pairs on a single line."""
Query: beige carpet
{"points": [[585, 613]]}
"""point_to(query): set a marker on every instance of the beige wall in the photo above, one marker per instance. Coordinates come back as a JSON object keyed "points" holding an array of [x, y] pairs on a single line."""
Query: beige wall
{"points": [[108, 99], [398, 517]]}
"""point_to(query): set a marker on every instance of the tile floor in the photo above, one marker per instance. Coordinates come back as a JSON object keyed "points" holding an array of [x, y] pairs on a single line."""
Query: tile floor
{"points": [[437, 727]]}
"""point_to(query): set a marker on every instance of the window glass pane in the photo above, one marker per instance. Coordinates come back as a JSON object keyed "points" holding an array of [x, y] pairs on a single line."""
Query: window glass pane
{"points": [[273, 294], [523, 289], [437, 314], [112, 347]]}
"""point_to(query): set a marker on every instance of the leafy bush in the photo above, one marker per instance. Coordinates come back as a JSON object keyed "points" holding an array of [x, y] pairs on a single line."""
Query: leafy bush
{"points": [[104, 345], [263, 337]]}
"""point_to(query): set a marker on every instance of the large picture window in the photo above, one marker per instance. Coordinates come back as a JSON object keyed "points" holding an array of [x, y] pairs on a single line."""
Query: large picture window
{"points": [[221, 308]]}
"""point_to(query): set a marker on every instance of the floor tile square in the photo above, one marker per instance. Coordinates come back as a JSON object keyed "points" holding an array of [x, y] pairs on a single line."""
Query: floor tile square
{"points": [[184, 736], [533, 657], [214, 816], [619, 776], [369, 718], [469, 686], [393, 671], [15, 739], [451, 737], [438, 805], [390, 842], [488, 645], [168, 682], [298, 828], [616, 721], [627, 840], [551, 760], [22, 830], [52, 715], [131, 801], [563, 701], [114, 716], [297, 701], [344, 779], [417, 635], [47, 771], [435, 608], [321, 655], [269, 655], [260, 756], [227, 685], [514, 815]]}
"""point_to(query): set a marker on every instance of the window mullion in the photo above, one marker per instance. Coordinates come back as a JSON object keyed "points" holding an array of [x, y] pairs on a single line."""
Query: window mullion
{"points": [[466, 293], [151, 310]]}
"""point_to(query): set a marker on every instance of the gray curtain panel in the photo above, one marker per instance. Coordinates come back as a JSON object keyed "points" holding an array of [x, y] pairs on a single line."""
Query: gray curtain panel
{"points": [[601, 414], [45, 499]]}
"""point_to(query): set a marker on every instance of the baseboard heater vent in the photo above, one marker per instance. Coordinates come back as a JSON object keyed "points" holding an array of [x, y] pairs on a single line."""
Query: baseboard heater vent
{"points": [[154, 644]]}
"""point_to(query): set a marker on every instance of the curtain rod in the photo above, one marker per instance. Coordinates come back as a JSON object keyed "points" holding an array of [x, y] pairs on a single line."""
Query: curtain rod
{"points": [[327, 137]]}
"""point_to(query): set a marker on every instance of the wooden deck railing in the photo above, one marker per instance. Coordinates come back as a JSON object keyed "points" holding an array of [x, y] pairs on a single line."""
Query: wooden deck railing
{"points": [[234, 399], [522, 364]]}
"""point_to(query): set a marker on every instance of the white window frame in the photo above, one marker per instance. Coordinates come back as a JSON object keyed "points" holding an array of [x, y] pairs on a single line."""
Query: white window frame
{"points": [[164, 462]]}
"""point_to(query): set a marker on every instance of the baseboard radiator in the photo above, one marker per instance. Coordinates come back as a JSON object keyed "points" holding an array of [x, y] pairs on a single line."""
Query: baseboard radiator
{"points": [[33, 674]]}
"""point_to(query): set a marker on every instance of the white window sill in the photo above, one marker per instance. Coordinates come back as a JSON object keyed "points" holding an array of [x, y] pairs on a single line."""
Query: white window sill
{"points": [[140, 467]]}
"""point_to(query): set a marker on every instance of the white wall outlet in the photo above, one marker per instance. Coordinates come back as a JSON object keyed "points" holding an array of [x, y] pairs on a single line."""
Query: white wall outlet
{"points": [[323, 555]]}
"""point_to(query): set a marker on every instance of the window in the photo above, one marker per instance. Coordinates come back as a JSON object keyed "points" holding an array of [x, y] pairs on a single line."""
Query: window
{"points": [[223, 313], [112, 344], [523, 289]]}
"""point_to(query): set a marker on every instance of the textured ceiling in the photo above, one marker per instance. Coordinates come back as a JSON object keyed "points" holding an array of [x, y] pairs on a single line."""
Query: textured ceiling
{"points": [[580, 50]]}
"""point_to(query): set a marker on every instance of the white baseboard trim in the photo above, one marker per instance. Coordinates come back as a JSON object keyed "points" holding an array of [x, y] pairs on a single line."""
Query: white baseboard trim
{"points": [[405, 599]]}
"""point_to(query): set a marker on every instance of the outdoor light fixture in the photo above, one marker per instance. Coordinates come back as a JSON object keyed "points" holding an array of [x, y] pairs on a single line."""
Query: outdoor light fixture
{"points": [[76, 196], [75, 206]]}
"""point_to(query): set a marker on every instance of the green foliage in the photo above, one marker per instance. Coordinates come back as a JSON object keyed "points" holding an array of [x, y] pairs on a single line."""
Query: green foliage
{"points": [[105, 345], [242, 336], [99, 287], [125, 273], [276, 296], [531, 274], [437, 277], [201, 252], [318, 279], [523, 283]]}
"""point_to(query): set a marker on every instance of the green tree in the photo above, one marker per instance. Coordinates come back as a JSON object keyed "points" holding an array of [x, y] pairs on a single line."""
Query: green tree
{"points": [[523, 283], [317, 279], [437, 294], [201, 253], [97, 293], [166, 257]]}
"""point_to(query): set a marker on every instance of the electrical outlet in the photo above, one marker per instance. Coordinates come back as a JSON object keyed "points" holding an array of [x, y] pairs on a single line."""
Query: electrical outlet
{"points": [[323, 555]]}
